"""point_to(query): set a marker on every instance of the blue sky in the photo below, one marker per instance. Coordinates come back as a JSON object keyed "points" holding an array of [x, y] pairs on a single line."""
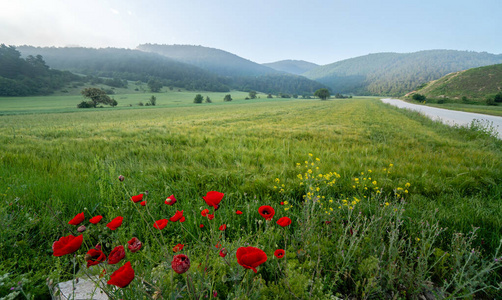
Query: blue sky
{"points": [[262, 31]]}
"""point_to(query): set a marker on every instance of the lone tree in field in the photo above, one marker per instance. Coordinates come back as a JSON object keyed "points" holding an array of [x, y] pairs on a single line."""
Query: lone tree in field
{"points": [[252, 95], [96, 96], [227, 98], [323, 94], [198, 98]]}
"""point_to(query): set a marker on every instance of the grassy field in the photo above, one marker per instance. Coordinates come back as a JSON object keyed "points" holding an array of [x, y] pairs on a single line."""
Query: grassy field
{"points": [[55, 165]]}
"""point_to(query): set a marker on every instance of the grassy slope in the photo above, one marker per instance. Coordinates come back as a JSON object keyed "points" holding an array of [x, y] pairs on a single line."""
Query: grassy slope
{"points": [[63, 161], [474, 84]]}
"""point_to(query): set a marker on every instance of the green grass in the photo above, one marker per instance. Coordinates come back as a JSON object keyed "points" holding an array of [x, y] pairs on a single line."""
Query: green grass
{"points": [[55, 165], [127, 98]]}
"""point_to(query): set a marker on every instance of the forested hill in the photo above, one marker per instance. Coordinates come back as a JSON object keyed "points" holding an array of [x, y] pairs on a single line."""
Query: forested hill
{"points": [[297, 67], [30, 76], [214, 60], [395, 74], [473, 84], [128, 64], [143, 66]]}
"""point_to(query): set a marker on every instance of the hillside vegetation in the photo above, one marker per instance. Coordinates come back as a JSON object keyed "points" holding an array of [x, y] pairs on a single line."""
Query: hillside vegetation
{"points": [[29, 76], [395, 74], [128, 64], [473, 84], [297, 67], [136, 65]]}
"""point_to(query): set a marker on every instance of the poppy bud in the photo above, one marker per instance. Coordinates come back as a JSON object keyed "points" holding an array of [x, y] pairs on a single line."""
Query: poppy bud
{"points": [[180, 263], [121, 178], [223, 252], [81, 228], [98, 247]]}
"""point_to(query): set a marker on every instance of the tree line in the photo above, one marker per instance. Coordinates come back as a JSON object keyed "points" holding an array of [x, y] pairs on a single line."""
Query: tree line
{"points": [[29, 76]]}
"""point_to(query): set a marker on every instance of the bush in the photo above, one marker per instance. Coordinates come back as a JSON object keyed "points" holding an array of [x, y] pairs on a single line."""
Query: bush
{"points": [[198, 98], [227, 98], [418, 97], [86, 104]]}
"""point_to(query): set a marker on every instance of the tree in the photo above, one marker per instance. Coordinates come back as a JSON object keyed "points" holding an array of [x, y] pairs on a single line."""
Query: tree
{"points": [[97, 96], [198, 98], [154, 85], [252, 94], [153, 100], [208, 100], [227, 98], [323, 94]]}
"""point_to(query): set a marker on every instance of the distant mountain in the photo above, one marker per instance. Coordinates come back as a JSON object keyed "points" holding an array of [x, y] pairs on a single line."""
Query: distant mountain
{"points": [[128, 64], [214, 60], [395, 74], [297, 67], [474, 84]]}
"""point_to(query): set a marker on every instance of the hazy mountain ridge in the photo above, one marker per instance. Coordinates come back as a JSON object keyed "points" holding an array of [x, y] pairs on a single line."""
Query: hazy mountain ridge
{"points": [[214, 60], [394, 74], [127, 64], [297, 67], [139, 65], [474, 84]]}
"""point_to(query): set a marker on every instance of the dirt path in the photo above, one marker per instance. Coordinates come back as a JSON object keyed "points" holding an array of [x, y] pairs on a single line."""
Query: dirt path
{"points": [[450, 117]]}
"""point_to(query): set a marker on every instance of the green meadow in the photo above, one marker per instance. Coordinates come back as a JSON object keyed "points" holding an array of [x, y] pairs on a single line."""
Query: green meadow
{"points": [[57, 161]]}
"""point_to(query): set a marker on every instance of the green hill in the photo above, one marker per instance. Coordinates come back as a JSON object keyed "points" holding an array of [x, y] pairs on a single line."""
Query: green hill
{"points": [[297, 67], [474, 84], [128, 64], [394, 74], [213, 60], [29, 76]]}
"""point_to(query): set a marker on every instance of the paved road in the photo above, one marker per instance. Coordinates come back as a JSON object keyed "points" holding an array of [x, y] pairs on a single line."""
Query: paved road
{"points": [[449, 117]]}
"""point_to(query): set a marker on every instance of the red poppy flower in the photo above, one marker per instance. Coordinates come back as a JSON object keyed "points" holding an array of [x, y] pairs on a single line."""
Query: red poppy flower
{"points": [[250, 257], [182, 219], [79, 218], [210, 217], [178, 247], [218, 245], [279, 253], [177, 216], [67, 245], [282, 203], [204, 212], [238, 212], [123, 276], [267, 212], [96, 219], [213, 198], [134, 244], [170, 200], [223, 252], [115, 223], [117, 254], [94, 257], [143, 203], [201, 225], [284, 221], [180, 263], [137, 198], [160, 224], [223, 227]]}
